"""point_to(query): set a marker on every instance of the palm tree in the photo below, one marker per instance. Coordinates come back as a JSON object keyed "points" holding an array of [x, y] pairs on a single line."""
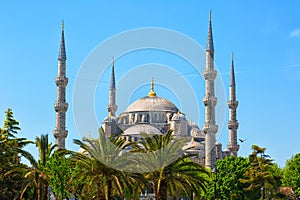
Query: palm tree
{"points": [[100, 166], [36, 175], [169, 170]]}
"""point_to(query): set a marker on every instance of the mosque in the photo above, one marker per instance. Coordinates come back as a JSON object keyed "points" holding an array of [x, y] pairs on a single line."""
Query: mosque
{"points": [[153, 114]]}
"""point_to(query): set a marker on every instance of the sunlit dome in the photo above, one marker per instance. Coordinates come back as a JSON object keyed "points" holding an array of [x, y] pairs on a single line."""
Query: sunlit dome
{"points": [[152, 103]]}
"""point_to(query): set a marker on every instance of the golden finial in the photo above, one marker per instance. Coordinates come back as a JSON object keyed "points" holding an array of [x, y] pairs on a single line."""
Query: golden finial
{"points": [[178, 112], [232, 56], [152, 93], [110, 113], [63, 25], [89, 135], [113, 61]]}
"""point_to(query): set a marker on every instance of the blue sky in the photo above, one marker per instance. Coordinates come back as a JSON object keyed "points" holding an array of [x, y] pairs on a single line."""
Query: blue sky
{"points": [[264, 35]]}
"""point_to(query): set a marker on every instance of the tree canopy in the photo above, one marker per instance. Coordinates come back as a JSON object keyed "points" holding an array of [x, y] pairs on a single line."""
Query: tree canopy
{"points": [[113, 168], [291, 174]]}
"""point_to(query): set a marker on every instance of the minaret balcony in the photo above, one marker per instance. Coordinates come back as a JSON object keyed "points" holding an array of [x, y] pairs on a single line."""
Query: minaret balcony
{"points": [[60, 133], [233, 104], [210, 74], [112, 108], [61, 81], [208, 100], [233, 125], [60, 107], [233, 147], [210, 128]]}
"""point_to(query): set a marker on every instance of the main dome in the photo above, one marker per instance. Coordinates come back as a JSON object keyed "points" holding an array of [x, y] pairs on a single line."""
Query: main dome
{"points": [[152, 103]]}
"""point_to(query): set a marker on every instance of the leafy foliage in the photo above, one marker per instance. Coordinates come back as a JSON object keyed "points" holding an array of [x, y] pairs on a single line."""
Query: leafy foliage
{"points": [[10, 184], [291, 174], [36, 175], [170, 171], [230, 171], [59, 170], [105, 169], [259, 175], [97, 166]]}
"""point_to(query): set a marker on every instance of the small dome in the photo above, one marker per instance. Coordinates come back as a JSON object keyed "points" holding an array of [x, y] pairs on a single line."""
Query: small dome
{"points": [[142, 128], [193, 125], [193, 145], [109, 119], [152, 103], [178, 117]]}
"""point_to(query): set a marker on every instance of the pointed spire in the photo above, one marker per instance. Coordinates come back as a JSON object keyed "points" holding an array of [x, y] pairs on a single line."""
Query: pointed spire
{"points": [[152, 93], [232, 75], [210, 42], [62, 49], [112, 80]]}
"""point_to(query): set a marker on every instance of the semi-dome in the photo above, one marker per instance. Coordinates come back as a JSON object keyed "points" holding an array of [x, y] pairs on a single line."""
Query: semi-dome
{"points": [[152, 103], [178, 116], [142, 128]]}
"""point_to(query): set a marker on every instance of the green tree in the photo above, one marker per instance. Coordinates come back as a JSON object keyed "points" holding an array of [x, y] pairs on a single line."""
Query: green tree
{"points": [[229, 171], [291, 174], [10, 184], [11, 125], [59, 169], [259, 176], [98, 166], [170, 172], [36, 175]]}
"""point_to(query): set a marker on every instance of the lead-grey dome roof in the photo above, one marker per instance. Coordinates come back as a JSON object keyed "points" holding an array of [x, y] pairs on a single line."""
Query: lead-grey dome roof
{"points": [[142, 128], [152, 103]]}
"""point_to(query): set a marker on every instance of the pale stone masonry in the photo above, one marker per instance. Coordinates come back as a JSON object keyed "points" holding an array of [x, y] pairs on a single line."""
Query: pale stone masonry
{"points": [[156, 115], [210, 127], [60, 106], [233, 124]]}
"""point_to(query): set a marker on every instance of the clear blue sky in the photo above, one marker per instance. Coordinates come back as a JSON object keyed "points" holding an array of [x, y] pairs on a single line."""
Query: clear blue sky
{"points": [[264, 35]]}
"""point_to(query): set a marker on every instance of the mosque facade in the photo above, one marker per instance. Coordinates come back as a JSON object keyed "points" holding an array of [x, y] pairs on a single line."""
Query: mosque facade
{"points": [[155, 115]]}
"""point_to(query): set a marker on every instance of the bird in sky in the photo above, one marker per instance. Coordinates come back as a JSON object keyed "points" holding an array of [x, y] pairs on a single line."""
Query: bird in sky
{"points": [[241, 140]]}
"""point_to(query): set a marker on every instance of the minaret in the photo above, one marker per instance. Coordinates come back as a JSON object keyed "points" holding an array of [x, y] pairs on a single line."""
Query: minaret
{"points": [[233, 124], [210, 128], [112, 107], [60, 133]]}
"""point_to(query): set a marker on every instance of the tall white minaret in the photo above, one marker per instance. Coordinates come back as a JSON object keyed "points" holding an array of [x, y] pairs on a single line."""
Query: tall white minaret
{"points": [[112, 107], [60, 133], [210, 128], [233, 124]]}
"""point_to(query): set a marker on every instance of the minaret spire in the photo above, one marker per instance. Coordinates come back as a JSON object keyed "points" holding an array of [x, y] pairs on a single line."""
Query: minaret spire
{"points": [[60, 106], [112, 107], [233, 124], [210, 101], [62, 49], [210, 42], [112, 78], [232, 76]]}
